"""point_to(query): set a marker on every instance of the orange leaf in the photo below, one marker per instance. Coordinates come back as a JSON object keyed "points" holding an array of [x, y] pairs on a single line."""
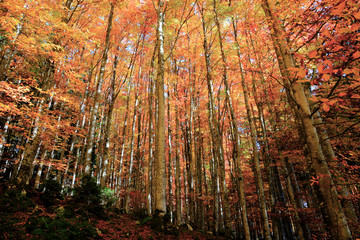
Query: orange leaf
{"points": [[320, 68], [357, 15], [326, 107], [339, 9], [314, 99], [312, 54], [332, 102], [341, 94], [302, 73], [356, 54], [324, 100], [327, 33], [326, 77], [355, 26]]}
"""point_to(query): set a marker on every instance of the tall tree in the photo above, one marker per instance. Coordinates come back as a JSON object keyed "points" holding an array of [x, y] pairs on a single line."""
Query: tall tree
{"points": [[97, 94], [296, 90], [160, 163]]}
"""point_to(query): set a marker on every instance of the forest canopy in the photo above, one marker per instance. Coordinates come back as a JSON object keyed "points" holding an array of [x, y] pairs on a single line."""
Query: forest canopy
{"points": [[239, 118]]}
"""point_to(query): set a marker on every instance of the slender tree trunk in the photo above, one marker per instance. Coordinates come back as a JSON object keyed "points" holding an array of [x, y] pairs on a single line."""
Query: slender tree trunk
{"points": [[24, 167], [177, 167], [123, 134], [198, 138], [215, 132], [170, 163], [131, 163], [93, 117], [111, 103], [150, 159], [238, 171], [189, 176], [3, 137], [339, 180], [259, 183], [191, 150], [215, 189], [149, 165]]}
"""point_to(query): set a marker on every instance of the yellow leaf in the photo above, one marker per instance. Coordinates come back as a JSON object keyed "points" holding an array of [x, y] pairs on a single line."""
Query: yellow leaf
{"points": [[347, 71]]}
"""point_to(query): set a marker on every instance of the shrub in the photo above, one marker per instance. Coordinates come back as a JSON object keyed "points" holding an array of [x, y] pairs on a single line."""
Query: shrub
{"points": [[108, 198], [51, 192], [15, 200], [61, 228], [88, 194]]}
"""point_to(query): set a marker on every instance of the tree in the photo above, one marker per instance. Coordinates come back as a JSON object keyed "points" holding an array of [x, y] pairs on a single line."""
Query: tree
{"points": [[160, 164], [297, 93]]}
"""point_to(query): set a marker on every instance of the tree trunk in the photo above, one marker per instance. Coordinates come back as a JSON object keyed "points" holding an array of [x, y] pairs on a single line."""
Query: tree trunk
{"points": [[170, 163], [131, 163], [149, 165], [93, 117], [177, 167], [160, 163], [111, 103], [215, 132], [237, 163], [259, 183]]}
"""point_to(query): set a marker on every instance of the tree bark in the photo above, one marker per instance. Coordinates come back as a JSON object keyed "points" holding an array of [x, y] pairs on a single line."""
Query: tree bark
{"points": [[160, 163], [111, 103], [131, 163]]}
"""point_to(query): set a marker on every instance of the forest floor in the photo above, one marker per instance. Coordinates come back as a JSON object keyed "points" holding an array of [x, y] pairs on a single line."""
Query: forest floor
{"points": [[23, 215]]}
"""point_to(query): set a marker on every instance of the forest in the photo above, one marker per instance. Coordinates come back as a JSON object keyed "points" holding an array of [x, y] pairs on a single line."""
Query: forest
{"points": [[234, 119]]}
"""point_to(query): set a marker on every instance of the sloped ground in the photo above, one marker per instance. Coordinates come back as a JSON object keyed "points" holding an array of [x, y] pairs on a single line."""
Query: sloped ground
{"points": [[23, 215], [127, 227]]}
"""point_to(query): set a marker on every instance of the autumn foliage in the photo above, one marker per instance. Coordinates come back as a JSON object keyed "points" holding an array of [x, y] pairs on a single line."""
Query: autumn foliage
{"points": [[238, 118]]}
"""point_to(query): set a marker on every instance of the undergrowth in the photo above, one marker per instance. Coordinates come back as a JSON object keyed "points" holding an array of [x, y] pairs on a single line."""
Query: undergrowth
{"points": [[90, 213]]}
